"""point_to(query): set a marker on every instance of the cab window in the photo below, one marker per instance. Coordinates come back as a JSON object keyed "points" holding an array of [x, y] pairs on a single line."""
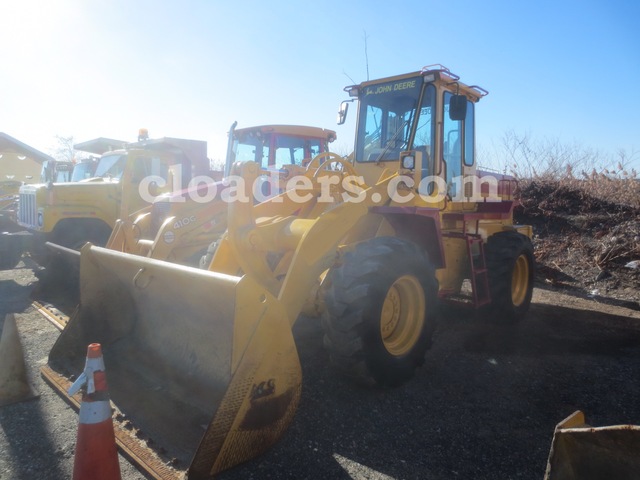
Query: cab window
{"points": [[252, 147], [451, 146], [111, 166], [294, 150], [469, 135], [148, 166], [425, 130], [387, 115]]}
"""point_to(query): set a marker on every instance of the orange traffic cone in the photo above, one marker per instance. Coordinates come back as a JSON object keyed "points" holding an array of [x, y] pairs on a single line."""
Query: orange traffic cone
{"points": [[14, 386], [96, 455]]}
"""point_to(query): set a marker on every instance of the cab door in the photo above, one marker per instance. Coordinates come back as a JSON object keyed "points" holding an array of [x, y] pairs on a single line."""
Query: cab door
{"points": [[458, 152]]}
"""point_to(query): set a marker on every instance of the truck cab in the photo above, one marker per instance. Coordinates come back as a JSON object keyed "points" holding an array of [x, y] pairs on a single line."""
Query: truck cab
{"points": [[72, 213]]}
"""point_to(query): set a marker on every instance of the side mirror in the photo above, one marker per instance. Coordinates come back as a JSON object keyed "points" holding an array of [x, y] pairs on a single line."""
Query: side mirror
{"points": [[342, 113], [458, 107]]}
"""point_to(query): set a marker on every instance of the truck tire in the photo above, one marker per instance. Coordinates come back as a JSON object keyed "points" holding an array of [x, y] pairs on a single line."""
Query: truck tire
{"points": [[61, 274], [75, 235], [511, 269], [12, 245], [9, 259], [380, 316]]}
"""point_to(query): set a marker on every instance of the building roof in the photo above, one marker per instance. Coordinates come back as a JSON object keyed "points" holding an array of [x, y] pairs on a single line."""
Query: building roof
{"points": [[100, 145], [11, 145]]}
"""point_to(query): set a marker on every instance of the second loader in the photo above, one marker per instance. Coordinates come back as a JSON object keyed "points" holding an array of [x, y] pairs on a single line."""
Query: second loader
{"points": [[204, 362], [181, 226]]}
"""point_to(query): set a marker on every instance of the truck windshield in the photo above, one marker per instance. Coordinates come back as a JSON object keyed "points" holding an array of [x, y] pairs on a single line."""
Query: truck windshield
{"points": [[56, 172], [111, 166], [388, 112], [82, 171]]}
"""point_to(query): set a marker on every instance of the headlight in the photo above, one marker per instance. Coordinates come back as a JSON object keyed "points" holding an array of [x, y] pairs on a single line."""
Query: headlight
{"points": [[40, 219], [409, 162]]}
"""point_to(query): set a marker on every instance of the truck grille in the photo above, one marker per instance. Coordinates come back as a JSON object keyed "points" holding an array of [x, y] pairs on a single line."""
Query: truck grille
{"points": [[27, 210]]}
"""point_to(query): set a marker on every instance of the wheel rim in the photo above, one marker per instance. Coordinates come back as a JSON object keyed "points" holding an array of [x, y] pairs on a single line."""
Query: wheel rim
{"points": [[520, 281], [402, 316]]}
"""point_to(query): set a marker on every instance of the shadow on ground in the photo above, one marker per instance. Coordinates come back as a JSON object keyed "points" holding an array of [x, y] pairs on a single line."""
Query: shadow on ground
{"points": [[484, 406]]}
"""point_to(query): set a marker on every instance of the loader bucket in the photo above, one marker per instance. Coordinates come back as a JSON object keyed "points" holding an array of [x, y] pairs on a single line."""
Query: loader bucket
{"points": [[203, 364], [581, 452]]}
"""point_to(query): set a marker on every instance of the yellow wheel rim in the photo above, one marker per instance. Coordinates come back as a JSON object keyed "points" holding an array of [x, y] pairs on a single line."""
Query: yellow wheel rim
{"points": [[402, 317], [520, 281]]}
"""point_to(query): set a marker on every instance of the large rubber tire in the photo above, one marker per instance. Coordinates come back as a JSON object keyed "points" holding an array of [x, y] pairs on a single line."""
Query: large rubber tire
{"points": [[61, 275], [9, 261], [75, 235], [511, 270], [381, 307], [11, 248]]}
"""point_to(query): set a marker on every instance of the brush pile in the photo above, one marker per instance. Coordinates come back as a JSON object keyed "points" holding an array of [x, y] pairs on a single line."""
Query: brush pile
{"points": [[583, 239]]}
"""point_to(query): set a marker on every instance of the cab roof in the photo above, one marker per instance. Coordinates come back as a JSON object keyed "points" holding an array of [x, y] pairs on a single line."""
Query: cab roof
{"points": [[441, 74], [297, 130]]}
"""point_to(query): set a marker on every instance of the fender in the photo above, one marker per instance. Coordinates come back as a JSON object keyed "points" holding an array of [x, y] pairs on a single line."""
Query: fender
{"points": [[420, 225]]}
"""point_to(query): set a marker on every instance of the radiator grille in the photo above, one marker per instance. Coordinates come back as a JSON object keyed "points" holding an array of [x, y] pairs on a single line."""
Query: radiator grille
{"points": [[28, 210]]}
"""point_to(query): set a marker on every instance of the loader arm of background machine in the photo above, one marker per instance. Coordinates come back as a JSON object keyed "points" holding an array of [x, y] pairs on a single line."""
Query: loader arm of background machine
{"points": [[307, 240]]}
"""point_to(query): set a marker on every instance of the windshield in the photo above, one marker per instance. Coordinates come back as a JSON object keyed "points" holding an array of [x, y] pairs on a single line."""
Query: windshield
{"points": [[111, 166], [56, 172], [250, 149], [276, 150], [82, 171], [290, 150], [388, 113], [62, 176]]}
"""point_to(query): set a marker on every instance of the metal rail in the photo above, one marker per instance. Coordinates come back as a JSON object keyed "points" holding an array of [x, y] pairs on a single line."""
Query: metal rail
{"points": [[51, 313]]}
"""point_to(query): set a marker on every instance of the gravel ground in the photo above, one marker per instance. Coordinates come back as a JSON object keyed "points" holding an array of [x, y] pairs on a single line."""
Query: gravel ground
{"points": [[484, 406]]}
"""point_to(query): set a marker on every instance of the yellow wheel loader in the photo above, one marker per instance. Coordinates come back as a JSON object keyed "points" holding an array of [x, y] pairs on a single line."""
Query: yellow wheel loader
{"points": [[181, 226], [202, 364]]}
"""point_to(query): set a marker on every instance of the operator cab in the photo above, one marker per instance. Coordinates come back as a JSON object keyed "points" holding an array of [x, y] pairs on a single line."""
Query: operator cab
{"points": [[281, 151], [424, 119], [275, 147]]}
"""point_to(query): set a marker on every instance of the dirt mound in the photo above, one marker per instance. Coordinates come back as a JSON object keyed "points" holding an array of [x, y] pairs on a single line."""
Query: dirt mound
{"points": [[582, 241], [559, 207]]}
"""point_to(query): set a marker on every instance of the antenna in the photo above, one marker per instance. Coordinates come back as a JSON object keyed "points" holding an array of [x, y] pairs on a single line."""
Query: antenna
{"points": [[347, 75], [366, 53], [366, 58]]}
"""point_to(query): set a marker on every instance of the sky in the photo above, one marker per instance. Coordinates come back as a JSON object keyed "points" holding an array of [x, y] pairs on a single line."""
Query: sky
{"points": [[561, 70]]}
